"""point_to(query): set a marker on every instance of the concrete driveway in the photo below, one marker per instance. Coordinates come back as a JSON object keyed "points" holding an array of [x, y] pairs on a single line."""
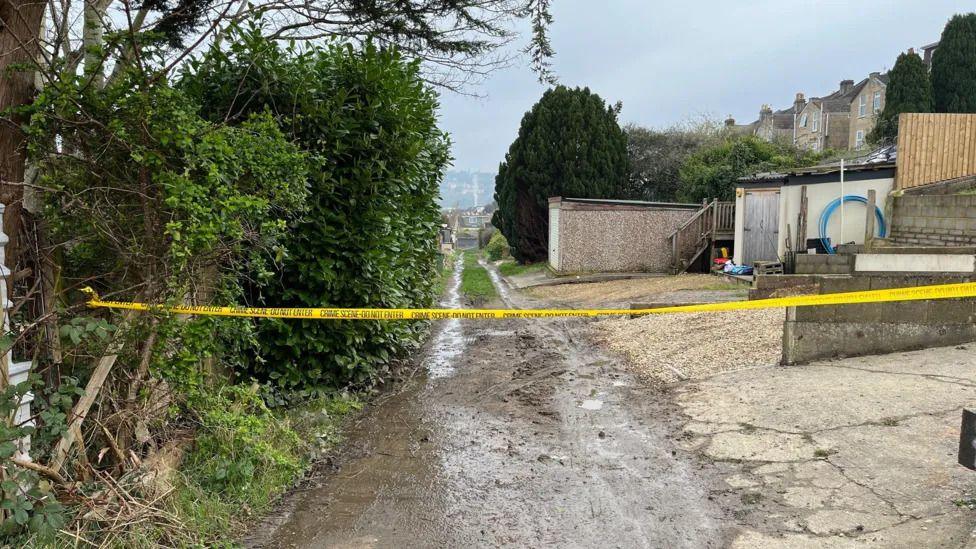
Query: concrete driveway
{"points": [[858, 452]]}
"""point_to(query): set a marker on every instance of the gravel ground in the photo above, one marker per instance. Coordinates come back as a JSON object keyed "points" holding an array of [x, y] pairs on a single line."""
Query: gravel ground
{"points": [[667, 348], [603, 294]]}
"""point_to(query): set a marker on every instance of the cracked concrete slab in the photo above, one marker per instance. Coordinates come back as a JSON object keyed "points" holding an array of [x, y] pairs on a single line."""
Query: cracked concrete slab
{"points": [[759, 445], [850, 453]]}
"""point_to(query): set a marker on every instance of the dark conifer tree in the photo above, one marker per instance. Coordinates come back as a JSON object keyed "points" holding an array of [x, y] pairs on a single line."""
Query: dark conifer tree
{"points": [[954, 66], [569, 145], [909, 90]]}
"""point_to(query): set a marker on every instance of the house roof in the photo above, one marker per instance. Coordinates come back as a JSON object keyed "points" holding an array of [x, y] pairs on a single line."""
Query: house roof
{"points": [[840, 101]]}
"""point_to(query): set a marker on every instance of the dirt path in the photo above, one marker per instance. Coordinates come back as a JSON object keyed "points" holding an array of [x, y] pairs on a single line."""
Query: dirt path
{"points": [[519, 434]]}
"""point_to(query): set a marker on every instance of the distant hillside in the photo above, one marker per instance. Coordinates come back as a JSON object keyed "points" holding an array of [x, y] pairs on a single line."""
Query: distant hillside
{"points": [[467, 189]]}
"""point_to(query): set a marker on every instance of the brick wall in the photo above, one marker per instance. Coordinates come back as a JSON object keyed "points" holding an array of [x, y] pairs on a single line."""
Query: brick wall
{"points": [[934, 220]]}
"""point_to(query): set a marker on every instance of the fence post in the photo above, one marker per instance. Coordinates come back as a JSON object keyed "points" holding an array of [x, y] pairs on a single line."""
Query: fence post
{"points": [[869, 220], [13, 373]]}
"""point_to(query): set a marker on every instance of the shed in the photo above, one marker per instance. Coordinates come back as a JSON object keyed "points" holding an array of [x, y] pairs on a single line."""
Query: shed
{"points": [[597, 235], [768, 207]]}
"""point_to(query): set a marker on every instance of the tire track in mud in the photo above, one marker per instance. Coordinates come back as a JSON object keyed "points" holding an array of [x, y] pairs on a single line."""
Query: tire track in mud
{"points": [[495, 449]]}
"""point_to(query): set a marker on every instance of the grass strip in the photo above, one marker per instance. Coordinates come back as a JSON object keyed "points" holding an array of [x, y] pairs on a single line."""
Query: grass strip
{"points": [[475, 282]]}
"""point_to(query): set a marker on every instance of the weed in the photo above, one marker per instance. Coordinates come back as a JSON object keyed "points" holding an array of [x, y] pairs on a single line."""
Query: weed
{"points": [[444, 274], [967, 503], [889, 422], [824, 453]]}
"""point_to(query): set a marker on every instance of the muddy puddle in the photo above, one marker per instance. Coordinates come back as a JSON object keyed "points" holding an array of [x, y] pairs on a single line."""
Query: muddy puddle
{"points": [[448, 340]]}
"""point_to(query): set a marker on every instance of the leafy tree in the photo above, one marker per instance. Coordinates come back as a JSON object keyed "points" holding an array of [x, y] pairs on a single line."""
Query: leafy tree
{"points": [[954, 66], [656, 158], [909, 90], [369, 126], [569, 144], [713, 171]]}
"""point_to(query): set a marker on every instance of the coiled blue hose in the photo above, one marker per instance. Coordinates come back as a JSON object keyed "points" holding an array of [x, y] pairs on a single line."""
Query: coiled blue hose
{"points": [[829, 210]]}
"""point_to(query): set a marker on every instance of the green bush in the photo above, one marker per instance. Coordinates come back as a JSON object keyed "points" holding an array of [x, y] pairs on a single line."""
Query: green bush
{"points": [[497, 247], [368, 123], [713, 171]]}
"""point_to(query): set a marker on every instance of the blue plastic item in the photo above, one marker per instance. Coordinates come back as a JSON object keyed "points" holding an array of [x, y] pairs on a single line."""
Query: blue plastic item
{"points": [[829, 210]]}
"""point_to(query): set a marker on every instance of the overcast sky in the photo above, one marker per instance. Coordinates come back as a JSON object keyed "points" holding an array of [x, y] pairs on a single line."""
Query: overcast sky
{"points": [[669, 61]]}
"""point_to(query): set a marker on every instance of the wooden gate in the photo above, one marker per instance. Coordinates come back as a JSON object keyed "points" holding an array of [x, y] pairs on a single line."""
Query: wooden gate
{"points": [[761, 238]]}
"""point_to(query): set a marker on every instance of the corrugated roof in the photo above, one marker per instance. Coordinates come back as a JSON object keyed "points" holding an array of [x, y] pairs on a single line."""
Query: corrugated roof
{"points": [[882, 158]]}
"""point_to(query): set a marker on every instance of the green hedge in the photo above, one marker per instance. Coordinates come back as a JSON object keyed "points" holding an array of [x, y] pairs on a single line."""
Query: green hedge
{"points": [[368, 123]]}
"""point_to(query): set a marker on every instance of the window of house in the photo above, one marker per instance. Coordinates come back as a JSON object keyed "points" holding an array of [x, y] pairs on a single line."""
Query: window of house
{"points": [[859, 139], [816, 122], [803, 120], [877, 102], [862, 108]]}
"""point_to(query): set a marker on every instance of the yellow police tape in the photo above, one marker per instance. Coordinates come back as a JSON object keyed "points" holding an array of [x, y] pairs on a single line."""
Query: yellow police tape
{"points": [[917, 293]]}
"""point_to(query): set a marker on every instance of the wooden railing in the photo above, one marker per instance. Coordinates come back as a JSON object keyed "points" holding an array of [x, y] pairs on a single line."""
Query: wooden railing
{"points": [[723, 220], [695, 235]]}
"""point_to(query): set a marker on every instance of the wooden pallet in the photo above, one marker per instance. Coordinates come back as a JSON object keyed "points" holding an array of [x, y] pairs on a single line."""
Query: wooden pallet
{"points": [[767, 268]]}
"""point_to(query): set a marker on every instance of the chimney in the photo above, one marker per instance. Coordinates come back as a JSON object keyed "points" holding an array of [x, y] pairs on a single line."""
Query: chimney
{"points": [[875, 74], [799, 102], [729, 122], [911, 51], [765, 112], [846, 86]]}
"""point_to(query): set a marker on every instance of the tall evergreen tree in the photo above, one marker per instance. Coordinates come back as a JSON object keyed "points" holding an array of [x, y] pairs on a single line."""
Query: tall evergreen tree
{"points": [[909, 90], [954, 66], [569, 144]]}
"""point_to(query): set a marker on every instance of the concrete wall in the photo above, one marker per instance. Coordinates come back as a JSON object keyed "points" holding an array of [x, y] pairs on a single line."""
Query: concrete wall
{"points": [[821, 194], [602, 238], [814, 333], [939, 220]]}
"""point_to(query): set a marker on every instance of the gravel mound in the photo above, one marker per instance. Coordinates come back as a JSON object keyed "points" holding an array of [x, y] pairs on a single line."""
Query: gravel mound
{"points": [[673, 347], [620, 292]]}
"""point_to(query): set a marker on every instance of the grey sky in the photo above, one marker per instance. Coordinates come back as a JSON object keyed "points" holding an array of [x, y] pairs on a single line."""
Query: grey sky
{"points": [[673, 60]]}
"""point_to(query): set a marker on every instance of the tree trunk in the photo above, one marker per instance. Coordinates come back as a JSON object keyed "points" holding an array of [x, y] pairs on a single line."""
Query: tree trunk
{"points": [[20, 27], [92, 42]]}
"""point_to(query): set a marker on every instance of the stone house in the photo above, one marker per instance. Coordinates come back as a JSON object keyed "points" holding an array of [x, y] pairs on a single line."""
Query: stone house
{"points": [[775, 125], [823, 122], [927, 52], [841, 120], [865, 109]]}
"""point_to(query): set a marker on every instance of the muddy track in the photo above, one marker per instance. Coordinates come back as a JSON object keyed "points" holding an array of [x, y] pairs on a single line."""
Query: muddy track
{"points": [[521, 434]]}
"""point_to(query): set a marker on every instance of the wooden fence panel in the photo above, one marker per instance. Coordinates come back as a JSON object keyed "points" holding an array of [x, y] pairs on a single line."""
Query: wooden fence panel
{"points": [[935, 147]]}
